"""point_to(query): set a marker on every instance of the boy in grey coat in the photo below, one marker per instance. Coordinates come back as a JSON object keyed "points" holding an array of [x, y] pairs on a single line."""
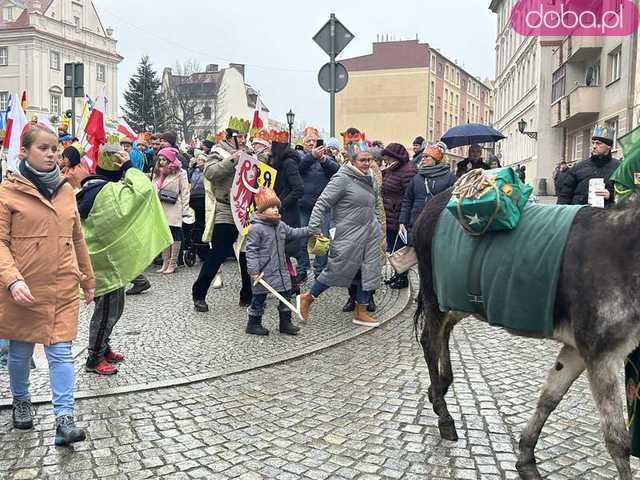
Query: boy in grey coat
{"points": [[266, 259]]}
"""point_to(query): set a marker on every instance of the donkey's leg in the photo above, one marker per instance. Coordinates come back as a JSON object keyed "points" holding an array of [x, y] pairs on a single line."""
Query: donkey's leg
{"points": [[446, 372], [603, 378], [569, 365]]}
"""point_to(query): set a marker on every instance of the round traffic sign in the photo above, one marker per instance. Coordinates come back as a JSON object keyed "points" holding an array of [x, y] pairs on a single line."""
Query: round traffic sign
{"points": [[324, 77]]}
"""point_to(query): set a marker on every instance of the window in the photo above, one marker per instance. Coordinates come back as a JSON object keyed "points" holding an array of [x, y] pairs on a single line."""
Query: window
{"points": [[586, 142], [206, 113], [433, 90], [615, 60], [54, 60], [100, 72], [54, 105], [76, 22], [558, 83], [4, 56], [7, 14], [4, 101], [613, 124], [592, 75]]}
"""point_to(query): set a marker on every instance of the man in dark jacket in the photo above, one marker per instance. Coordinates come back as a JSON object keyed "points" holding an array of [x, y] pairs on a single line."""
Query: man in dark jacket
{"points": [[560, 175], [575, 187], [418, 149], [316, 169], [473, 161]]}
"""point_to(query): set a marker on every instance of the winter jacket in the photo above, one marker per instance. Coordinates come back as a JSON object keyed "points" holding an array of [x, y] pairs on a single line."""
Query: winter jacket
{"points": [[197, 183], [266, 253], [575, 187], [175, 212], [417, 158], [219, 171], [289, 188], [75, 174], [559, 180], [467, 165], [41, 242], [315, 176], [350, 198], [422, 188], [395, 180]]}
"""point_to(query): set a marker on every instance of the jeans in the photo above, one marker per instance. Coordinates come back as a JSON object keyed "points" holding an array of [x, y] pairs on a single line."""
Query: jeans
{"points": [[256, 309], [363, 297], [224, 235], [391, 241], [319, 263], [61, 374]]}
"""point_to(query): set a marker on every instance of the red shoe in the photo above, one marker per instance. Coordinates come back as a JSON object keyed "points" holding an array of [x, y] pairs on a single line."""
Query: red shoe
{"points": [[102, 368], [113, 357]]}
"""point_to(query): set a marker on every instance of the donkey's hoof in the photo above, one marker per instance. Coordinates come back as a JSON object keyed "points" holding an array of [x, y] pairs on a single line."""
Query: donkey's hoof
{"points": [[447, 429], [528, 471], [430, 395]]}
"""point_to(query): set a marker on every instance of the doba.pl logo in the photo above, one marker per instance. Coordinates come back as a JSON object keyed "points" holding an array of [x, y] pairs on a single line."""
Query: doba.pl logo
{"points": [[551, 18]]}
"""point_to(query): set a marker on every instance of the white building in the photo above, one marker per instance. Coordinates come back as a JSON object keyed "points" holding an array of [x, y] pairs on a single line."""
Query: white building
{"points": [[38, 37], [221, 94], [523, 92]]}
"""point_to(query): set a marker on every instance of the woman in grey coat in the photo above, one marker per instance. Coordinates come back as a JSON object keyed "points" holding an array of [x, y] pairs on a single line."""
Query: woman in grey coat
{"points": [[351, 199]]}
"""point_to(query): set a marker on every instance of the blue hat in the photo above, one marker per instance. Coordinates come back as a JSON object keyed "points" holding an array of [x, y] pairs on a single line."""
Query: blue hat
{"points": [[604, 135]]}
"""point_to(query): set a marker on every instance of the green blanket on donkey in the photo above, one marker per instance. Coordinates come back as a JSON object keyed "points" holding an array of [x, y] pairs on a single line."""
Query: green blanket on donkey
{"points": [[509, 278]]}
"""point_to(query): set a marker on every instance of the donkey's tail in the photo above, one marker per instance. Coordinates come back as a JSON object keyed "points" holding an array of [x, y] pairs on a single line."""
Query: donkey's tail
{"points": [[418, 317]]}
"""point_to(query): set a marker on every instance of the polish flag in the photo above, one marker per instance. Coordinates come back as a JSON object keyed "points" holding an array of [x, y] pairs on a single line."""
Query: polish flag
{"points": [[123, 128], [257, 124], [95, 131], [23, 103], [16, 123]]}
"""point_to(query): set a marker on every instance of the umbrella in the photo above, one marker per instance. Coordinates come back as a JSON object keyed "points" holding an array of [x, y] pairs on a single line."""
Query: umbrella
{"points": [[470, 133]]}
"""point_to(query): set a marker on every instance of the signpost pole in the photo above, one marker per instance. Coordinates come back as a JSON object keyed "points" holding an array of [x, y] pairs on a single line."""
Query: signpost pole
{"points": [[332, 56], [73, 100]]}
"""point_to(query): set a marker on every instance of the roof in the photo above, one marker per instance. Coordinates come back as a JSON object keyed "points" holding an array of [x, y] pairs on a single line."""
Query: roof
{"points": [[391, 55], [493, 6]]}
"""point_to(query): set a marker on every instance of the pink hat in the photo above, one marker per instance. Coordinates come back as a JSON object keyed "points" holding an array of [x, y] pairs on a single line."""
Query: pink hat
{"points": [[170, 154]]}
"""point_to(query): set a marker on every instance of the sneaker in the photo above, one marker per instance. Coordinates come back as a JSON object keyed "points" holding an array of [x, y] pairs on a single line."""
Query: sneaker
{"points": [[138, 289], [23, 413], [200, 306], [102, 368], [67, 432], [113, 357]]}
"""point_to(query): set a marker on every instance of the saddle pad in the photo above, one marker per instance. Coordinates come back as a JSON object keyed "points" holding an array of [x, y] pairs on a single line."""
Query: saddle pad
{"points": [[509, 278]]}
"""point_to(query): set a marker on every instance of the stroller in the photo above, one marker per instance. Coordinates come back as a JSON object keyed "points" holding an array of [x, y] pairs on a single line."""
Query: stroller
{"points": [[193, 246]]}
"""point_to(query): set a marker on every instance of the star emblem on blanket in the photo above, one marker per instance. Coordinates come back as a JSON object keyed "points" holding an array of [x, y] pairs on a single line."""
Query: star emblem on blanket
{"points": [[474, 219]]}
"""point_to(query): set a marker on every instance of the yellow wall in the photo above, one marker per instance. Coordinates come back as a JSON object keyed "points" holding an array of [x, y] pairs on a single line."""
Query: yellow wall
{"points": [[388, 105]]}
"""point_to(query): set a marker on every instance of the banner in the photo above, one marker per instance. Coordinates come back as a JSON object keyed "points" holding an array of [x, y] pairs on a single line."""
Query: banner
{"points": [[251, 174]]}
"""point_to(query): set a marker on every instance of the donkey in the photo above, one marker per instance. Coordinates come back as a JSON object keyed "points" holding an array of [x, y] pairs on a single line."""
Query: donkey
{"points": [[596, 319]]}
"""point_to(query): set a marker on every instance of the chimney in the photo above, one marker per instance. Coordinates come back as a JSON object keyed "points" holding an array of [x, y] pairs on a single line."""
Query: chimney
{"points": [[239, 67], [211, 68]]}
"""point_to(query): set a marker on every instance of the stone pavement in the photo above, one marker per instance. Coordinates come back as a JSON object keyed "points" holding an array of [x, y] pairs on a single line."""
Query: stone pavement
{"points": [[355, 411], [167, 343]]}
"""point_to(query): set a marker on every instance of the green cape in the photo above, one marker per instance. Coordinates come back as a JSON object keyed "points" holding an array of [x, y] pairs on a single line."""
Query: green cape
{"points": [[125, 231], [627, 176]]}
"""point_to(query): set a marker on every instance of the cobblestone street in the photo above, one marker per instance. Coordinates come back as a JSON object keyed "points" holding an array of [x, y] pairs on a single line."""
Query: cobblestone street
{"points": [[357, 410]]}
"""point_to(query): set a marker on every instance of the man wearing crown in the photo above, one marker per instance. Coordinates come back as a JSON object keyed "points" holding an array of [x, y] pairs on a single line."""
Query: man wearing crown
{"points": [[220, 228], [601, 165]]}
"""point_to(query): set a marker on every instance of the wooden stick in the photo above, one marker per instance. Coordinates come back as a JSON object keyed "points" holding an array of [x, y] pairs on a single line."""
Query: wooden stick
{"points": [[278, 296]]}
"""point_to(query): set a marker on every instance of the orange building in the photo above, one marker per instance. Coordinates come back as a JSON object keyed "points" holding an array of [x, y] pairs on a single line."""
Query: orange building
{"points": [[406, 89]]}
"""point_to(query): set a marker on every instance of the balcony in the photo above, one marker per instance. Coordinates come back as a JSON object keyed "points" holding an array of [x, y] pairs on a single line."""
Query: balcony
{"points": [[579, 107], [579, 49]]}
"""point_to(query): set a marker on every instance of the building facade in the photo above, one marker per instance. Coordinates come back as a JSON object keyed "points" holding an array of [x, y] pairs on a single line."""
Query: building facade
{"points": [[405, 89], [219, 94], [562, 87], [38, 37]]}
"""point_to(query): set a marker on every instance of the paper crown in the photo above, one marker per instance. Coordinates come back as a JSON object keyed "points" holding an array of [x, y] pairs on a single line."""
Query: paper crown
{"points": [[351, 138], [144, 137], [266, 198], [79, 148], [240, 125], [107, 158], [310, 132], [354, 148], [279, 136], [219, 137], [212, 137], [262, 135], [607, 133]]}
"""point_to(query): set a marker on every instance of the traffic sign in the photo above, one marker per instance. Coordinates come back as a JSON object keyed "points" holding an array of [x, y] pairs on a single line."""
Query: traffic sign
{"points": [[341, 76], [342, 37]]}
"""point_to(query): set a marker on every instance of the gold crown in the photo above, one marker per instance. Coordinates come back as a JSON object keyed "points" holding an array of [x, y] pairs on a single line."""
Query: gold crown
{"points": [[242, 126]]}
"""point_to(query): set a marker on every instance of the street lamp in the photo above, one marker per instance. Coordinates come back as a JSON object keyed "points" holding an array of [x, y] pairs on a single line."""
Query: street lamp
{"points": [[522, 125], [291, 117]]}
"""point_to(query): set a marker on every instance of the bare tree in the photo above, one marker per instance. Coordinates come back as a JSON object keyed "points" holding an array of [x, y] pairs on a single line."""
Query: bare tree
{"points": [[184, 98]]}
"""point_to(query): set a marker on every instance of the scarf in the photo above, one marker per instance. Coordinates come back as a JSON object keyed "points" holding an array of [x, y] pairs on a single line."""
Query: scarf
{"points": [[269, 218], [600, 160], [433, 171], [47, 183]]}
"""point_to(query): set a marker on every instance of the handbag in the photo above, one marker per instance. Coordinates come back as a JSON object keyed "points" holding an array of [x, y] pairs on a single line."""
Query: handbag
{"points": [[403, 259], [167, 196]]}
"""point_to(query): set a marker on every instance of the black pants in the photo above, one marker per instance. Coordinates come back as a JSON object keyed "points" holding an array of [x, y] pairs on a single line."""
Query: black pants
{"points": [[109, 308], [198, 205], [224, 235]]}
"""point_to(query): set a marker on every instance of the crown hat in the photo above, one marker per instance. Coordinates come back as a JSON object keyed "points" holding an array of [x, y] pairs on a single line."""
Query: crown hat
{"points": [[604, 134], [266, 198], [239, 125], [108, 151]]}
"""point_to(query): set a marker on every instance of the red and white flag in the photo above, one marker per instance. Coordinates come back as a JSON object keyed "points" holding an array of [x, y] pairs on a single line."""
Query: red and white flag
{"points": [[123, 128], [16, 123], [257, 123], [95, 131]]}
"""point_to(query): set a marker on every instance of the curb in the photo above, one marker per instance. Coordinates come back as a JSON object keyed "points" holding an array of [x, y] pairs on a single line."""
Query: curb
{"points": [[403, 301]]}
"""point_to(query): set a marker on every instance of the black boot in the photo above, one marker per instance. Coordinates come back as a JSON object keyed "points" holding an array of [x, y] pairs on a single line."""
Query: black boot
{"points": [[138, 288], [350, 306], [254, 326], [372, 307], [401, 283], [22, 415], [67, 432], [286, 326], [200, 305]]}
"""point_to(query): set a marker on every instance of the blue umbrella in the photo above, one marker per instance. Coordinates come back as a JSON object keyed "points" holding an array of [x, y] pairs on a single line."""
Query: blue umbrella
{"points": [[470, 133]]}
